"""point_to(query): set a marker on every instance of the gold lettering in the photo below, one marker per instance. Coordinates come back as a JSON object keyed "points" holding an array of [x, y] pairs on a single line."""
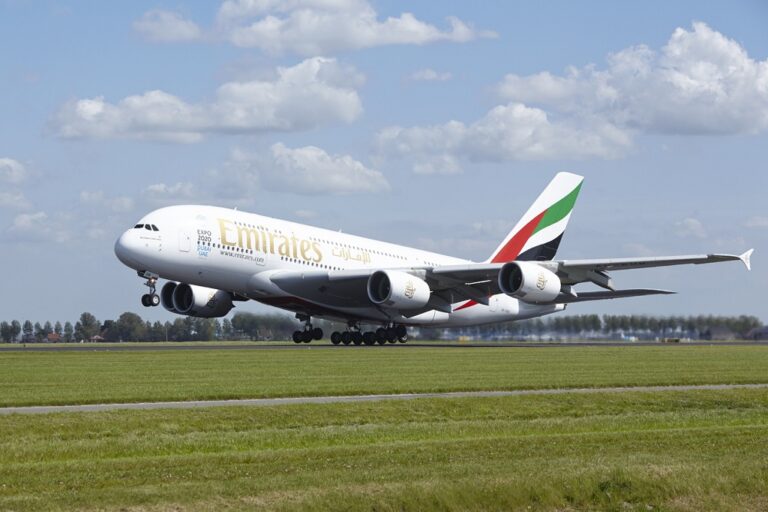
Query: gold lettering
{"points": [[251, 238], [223, 229], [271, 243], [318, 252], [305, 245], [285, 246]]}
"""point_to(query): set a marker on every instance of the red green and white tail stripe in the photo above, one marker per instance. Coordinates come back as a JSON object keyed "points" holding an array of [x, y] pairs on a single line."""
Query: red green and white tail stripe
{"points": [[538, 233]]}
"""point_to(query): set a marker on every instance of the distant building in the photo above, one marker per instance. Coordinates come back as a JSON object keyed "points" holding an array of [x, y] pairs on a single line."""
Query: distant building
{"points": [[761, 333], [53, 337], [718, 333]]}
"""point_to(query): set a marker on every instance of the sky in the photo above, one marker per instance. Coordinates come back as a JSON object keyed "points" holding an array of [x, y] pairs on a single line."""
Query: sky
{"points": [[429, 124]]}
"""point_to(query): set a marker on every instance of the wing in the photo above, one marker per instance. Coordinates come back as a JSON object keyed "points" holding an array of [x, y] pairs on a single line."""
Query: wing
{"points": [[477, 282], [581, 271]]}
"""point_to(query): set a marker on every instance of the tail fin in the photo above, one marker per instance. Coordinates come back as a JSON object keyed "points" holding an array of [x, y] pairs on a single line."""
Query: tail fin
{"points": [[537, 235]]}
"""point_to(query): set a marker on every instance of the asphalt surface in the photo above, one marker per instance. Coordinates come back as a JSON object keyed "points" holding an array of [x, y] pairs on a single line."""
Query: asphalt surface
{"points": [[74, 347], [261, 402]]}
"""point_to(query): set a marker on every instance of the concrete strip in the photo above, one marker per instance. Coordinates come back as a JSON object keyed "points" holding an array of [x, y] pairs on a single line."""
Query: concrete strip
{"points": [[261, 402]]}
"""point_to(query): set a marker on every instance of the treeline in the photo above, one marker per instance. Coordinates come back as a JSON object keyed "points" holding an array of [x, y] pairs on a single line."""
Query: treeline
{"points": [[640, 326], [249, 326]]}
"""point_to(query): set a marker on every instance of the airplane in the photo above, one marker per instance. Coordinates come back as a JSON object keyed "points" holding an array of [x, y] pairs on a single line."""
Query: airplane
{"points": [[213, 257]]}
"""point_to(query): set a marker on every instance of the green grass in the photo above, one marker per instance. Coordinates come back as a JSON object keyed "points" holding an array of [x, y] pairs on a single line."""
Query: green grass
{"points": [[38, 378], [672, 450]]}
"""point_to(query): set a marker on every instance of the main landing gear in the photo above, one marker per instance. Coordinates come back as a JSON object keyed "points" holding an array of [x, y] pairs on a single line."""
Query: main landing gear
{"points": [[150, 299], [382, 335], [309, 333]]}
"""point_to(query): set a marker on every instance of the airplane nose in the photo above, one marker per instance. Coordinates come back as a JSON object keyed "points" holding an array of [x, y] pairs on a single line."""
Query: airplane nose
{"points": [[126, 249]]}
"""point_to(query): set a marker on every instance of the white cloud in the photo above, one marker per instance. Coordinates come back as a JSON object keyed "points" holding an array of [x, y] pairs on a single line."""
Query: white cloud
{"points": [[306, 170], [166, 26], [757, 222], [38, 226], [12, 171], [321, 27], [97, 198], [506, 132], [430, 75], [691, 227], [700, 83], [179, 190], [314, 92], [14, 200]]}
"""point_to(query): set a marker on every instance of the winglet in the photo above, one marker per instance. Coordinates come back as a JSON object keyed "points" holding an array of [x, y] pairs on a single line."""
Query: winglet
{"points": [[745, 259]]}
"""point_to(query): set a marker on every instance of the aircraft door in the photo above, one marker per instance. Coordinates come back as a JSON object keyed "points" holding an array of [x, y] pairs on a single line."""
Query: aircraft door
{"points": [[185, 240]]}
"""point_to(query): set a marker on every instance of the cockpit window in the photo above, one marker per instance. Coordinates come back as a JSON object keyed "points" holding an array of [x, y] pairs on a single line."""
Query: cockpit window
{"points": [[154, 228], [147, 227], [138, 226]]}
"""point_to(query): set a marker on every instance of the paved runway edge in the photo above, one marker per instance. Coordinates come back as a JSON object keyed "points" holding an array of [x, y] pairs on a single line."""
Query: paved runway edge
{"points": [[262, 402]]}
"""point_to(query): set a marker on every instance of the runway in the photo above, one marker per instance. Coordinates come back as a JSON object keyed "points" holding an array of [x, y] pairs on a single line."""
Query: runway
{"points": [[325, 345], [262, 402]]}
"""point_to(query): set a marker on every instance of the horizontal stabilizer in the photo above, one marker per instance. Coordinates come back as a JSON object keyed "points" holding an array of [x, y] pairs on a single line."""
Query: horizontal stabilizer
{"points": [[608, 294]]}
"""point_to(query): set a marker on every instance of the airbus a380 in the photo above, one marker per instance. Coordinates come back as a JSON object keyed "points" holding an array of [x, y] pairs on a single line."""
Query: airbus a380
{"points": [[214, 257]]}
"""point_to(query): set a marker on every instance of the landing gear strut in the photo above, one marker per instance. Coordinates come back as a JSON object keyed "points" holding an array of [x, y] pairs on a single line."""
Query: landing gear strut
{"points": [[150, 299], [309, 333]]}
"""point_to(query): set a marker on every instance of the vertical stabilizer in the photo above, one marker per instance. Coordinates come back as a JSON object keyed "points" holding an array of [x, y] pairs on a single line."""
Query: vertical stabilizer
{"points": [[537, 235]]}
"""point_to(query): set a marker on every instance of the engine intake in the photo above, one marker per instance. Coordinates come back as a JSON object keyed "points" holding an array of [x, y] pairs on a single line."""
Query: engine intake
{"points": [[397, 289], [192, 300], [529, 282]]}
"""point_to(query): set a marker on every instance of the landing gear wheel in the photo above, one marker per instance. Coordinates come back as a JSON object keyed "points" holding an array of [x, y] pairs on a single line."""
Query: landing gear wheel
{"points": [[346, 338], [381, 341], [145, 300], [297, 336], [335, 337], [357, 338], [401, 331], [306, 336], [154, 300], [317, 333], [391, 334], [381, 334], [403, 339], [369, 338]]}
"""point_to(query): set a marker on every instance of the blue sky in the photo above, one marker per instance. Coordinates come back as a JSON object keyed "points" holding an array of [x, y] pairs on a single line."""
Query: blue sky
{"points": [[431, 124]]}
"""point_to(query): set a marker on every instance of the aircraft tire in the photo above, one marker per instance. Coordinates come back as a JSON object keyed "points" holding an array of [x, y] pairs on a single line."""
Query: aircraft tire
{"points": [[297, 336], [335, 337], [357, 338], [317, 333], [369, 338], [401, 331], [145, 300], [346, 338], [306, 336]]}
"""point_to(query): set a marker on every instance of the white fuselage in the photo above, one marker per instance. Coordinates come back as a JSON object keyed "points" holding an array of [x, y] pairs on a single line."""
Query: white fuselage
{"points": [[237, 252]]}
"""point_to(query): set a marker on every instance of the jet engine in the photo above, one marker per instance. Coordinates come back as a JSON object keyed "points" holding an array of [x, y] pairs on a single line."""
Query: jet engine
{"points": [[192, 300], [397, 289], [529, 282]]}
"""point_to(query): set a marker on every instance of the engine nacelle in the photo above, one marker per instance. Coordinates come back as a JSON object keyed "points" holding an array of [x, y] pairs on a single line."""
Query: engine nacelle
{"points": [[529, 282], [166, 296], [199, 301], [397, 289]]}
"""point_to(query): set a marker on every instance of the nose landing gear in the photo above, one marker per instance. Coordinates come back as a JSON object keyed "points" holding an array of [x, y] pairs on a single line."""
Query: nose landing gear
{"points": [[150, 299]]}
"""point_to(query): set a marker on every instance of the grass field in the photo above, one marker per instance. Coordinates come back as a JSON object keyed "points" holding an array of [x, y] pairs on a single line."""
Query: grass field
{"points": [[672, 450], [633, 451], [43, 378]]}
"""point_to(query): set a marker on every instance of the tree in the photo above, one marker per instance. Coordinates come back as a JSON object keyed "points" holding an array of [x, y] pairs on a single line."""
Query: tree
{"points": [[87, 327], [57, 328], [130, 327], [69, 332], [39, 333], [6, 332]]}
